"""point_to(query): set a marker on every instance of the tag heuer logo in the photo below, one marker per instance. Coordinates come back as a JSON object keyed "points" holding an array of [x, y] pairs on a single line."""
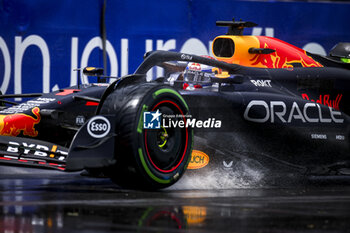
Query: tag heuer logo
{"points": [[151, 120]]}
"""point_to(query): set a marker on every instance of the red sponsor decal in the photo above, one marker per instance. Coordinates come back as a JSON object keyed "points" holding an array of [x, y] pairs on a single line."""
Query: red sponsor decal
{"points": [[90, 103], [325, 100], [14, 124], [53, 164], [68, 91]]}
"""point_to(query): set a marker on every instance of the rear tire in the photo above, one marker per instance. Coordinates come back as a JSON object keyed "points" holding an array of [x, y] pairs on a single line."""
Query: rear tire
{"points": [[148, 158]]}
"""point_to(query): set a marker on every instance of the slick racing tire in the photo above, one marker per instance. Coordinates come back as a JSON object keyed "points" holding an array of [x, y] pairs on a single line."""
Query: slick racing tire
{"points": [[148, 158]]}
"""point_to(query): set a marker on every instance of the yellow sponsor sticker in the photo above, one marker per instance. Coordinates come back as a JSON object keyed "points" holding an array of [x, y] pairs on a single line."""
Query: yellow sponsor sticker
{"points": [[222, 75], [199, 160]]}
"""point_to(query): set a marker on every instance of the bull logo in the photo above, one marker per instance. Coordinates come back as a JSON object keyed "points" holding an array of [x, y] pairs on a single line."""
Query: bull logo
{"points": [[14, 124], [282, 57]]}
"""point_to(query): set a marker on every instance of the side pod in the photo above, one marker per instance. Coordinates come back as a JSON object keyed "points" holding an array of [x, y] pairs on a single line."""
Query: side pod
{"points": [[94, 145]]}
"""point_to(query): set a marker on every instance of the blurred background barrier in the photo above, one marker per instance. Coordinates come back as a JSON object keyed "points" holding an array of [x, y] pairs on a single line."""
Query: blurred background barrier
{"points": [[42, 41]]}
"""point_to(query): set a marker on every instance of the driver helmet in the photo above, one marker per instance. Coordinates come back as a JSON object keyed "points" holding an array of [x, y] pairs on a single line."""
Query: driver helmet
{"points": [[198, 75]]}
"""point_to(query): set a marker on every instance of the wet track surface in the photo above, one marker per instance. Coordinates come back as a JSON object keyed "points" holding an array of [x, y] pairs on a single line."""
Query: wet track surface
{"points": [[56, 202]]}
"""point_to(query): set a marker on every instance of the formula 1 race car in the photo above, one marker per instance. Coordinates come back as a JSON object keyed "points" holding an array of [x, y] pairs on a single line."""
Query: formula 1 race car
{"points": [[259, 100]]}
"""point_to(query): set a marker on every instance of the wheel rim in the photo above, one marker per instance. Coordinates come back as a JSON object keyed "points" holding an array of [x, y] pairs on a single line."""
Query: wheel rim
{"points": [[164, 147]]}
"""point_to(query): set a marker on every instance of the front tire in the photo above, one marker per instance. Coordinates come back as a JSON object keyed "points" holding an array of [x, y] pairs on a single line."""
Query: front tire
{"points": [[148, 158]]}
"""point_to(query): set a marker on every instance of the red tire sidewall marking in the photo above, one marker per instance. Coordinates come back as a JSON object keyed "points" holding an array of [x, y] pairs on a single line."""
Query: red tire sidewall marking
{"points": [[183, 155]]}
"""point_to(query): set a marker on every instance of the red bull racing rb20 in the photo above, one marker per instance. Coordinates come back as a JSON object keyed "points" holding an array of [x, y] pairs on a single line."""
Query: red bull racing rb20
{"points": [[259, 100]]}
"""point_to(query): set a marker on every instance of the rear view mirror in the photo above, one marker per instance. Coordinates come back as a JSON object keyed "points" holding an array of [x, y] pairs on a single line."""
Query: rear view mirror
{"points": [[93, 71]]}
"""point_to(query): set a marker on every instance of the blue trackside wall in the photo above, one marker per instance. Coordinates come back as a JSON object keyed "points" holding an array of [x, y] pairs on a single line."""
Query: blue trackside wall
{"points": [[42, 41]]}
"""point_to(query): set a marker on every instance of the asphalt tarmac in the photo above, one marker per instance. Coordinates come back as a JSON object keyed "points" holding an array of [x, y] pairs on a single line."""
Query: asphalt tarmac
{"points": [[50, 201]]}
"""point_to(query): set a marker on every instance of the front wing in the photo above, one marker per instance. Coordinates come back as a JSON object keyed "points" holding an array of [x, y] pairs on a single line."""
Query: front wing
{"points": [[92, 147]]}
